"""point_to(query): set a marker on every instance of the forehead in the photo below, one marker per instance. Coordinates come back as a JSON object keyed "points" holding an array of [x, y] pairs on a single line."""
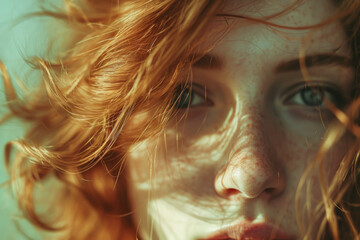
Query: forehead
{"points": [[306, 10], [284, 28], [259, 49], [294, 17]]}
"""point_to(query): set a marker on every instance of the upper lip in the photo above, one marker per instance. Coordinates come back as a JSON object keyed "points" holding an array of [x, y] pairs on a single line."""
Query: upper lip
{"points": [[248, 230]]}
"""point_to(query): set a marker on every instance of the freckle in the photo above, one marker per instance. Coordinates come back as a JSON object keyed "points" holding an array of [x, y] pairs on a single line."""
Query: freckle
{"points": [[252, 178]]}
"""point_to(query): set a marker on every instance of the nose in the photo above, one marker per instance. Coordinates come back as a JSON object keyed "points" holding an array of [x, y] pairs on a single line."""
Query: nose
{"points": [[252, 171]]}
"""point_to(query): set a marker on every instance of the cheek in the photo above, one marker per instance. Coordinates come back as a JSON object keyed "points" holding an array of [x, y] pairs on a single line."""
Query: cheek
{"points": [[299, 158], [178, 167], [170, 167]]}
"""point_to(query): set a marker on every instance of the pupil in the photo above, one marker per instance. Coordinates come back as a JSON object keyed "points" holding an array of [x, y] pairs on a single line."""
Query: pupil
{"points": [[312, 96], [182, 98]]}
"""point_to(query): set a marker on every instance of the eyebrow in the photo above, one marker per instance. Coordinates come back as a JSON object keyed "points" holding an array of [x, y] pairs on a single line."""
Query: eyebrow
{"points": [[323, 59], [207, 61], [214, 62]]}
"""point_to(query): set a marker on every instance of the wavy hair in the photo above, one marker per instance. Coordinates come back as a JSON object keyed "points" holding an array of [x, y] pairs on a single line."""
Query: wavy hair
{"points": [[125, 61]]}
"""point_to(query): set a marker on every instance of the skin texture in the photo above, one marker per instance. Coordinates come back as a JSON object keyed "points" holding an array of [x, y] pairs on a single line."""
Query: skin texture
{"points": [[248, 135]]}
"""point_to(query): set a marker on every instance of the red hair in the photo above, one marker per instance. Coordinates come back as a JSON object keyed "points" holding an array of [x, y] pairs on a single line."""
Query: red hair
{"points": [[125, 62]]}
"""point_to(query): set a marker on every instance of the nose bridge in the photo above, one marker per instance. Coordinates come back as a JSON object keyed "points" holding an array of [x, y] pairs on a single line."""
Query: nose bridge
{"points": [[251, 136], [252, 168]]}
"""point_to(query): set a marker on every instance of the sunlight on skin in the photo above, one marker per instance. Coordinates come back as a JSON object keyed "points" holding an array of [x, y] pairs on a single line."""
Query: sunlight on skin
{"points": [[241, 157]]}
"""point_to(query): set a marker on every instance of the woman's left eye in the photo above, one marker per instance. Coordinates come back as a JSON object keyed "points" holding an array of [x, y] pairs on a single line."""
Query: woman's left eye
{"points": [[187, 97], [315, 96]]}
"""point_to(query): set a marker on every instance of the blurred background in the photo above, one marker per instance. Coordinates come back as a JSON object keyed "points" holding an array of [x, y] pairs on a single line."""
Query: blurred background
{"points": [[25, 39]]}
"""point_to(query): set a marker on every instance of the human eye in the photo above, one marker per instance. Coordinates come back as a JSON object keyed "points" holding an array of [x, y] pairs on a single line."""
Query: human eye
{"points": [[190, 97], [315, 95]]}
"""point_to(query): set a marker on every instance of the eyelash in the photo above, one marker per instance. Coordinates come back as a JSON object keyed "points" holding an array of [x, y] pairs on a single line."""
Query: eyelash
{"points": [[318, 93], [188, 97]]}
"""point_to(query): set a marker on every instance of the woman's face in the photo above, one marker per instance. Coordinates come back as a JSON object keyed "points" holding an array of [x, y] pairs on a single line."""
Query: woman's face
{"points": [[229, 169]]}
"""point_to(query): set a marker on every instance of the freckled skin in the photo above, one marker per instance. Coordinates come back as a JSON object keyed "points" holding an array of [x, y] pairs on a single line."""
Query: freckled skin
{"points": [[242, 158]]}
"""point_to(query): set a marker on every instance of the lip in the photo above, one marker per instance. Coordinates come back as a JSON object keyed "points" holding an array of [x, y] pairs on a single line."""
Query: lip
{"points": [[250, 231]]}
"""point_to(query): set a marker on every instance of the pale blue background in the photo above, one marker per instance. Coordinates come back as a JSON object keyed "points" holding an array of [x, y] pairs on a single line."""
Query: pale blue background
{"points": [[16, 42]]}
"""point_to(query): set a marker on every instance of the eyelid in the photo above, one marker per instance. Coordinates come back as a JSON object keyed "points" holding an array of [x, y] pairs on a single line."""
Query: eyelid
{"points": [[291, 90], [203, 92], [198, 91], [338, 97]]}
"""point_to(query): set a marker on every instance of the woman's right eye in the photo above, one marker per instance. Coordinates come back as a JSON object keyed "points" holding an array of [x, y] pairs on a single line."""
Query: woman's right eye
{"points": [[187, 97]]}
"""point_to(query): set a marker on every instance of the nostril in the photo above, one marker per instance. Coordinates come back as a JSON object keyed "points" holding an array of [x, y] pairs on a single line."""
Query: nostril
{"points": [[230, 191], [234, 182], [270, 190]]}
